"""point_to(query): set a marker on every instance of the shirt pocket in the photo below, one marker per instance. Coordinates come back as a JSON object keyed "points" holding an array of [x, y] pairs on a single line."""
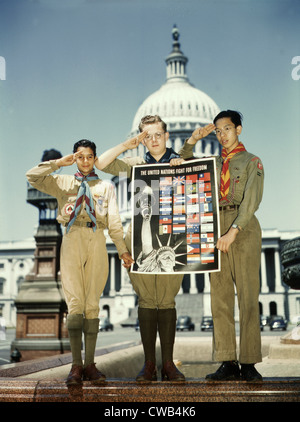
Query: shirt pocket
{"points": [[68, 206], [239, 179], [101, 204]]}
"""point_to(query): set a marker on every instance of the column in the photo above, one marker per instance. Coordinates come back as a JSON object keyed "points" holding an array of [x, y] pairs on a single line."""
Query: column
{"points": [[112, 290], [263, 272], [278, 285], [207, 150], [193, 286], [206, 288], [126, 287], [206, 296]]}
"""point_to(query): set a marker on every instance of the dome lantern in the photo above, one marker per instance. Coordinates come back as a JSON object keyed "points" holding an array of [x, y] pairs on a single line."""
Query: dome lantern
{"points": [[176, 61], [181, 105]]}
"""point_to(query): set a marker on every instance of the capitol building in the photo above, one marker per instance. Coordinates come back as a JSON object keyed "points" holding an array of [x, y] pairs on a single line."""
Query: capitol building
{"points": [[183, 107]]}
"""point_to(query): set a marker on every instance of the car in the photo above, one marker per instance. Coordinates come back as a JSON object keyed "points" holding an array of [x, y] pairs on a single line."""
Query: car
{"points": [[185, 323], [105, 325], [206, 323], [262, 323], [265, 320], [278, 323]]}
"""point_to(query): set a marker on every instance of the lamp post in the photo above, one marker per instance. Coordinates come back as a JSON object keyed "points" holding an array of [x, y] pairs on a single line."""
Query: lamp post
{"points": [[41, 309]]}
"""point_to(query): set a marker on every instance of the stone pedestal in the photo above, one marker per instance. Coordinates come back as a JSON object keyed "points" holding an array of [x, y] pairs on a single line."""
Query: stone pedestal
{"points": [[288, 347], [41, 310]]}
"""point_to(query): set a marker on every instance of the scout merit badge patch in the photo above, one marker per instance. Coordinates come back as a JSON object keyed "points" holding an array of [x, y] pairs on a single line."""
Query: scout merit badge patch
{"points": [[69, 208]]}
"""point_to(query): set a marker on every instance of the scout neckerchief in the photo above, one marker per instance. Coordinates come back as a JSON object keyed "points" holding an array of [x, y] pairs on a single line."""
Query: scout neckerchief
{"points": [[225, 175], [84, 192], [166, 158]]}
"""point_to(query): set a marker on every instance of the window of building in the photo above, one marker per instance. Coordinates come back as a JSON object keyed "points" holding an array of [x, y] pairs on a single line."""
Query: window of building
{"points": [[2, 281]]}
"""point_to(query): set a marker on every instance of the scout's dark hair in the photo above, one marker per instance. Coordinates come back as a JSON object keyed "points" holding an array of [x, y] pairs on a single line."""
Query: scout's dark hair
{"points": [[235, 116], [86, 144], [148, 120]]}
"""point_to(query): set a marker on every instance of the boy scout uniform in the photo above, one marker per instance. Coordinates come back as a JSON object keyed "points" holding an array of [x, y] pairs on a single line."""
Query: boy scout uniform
{"points": [[84, 258], [240, 266], [156, 295], [154, 291]]}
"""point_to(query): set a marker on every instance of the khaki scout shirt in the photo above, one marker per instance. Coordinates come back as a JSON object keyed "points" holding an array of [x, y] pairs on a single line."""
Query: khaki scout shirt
{"points": [[246, 182], [65, 188], [123, 165]]}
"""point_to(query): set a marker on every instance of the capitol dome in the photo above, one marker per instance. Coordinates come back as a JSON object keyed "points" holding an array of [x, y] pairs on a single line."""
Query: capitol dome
{"points": [[178, 102], [182, 106]]}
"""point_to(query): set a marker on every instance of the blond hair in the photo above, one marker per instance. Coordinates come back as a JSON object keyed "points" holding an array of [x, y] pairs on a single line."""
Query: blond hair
{"points": [[148, 120]]}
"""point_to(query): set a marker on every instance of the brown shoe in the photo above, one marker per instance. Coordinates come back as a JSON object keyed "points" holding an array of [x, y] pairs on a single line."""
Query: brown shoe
{"points": [[75, 375], [148, 372], [91, 373], [169, 372]]}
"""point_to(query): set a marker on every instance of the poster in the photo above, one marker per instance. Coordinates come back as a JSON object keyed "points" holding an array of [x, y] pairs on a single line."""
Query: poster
{"points": [[175, 218]]}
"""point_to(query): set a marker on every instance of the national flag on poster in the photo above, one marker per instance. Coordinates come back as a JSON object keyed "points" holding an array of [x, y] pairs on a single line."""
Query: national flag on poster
{"points": [[165, 190], [178, 189], [191, 178], [207, 259], [165, 229], [179, 209], [163, 181], [208, 227], [165, 199], [165, 210], [207, 187], [192, 228], [192, 238], [192, 218], [180, 180], [193, 259], [205, 207], [165, 220], [193, 248], [201, 186], [207, 247], [192, 208], [191, 188], [192, 199], [208, 197], [207, 217], [178, 199], [177, 219], [178, 228], [204, 176], [207, 237]]}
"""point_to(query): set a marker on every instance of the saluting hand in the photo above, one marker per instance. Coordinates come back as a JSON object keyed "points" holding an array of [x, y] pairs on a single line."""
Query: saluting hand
{"points": [[201, 132], [134, 142], [68, 160]]}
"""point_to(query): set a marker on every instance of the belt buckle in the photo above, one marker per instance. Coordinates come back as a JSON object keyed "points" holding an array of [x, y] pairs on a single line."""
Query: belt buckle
{"points": [[89, 224]]}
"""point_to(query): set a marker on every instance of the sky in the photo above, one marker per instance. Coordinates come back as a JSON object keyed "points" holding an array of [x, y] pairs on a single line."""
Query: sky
{"points": [[73, 69]]}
